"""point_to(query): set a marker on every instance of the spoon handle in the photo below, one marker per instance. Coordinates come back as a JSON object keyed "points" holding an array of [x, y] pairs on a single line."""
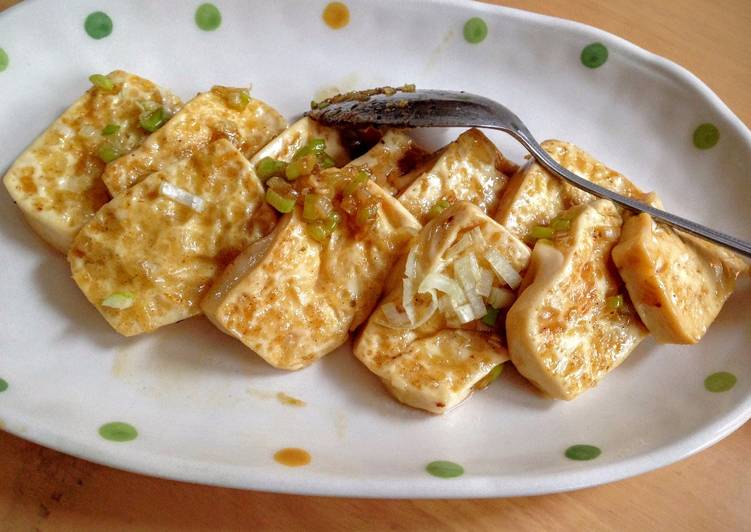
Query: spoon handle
{"points": [[523, 135]]}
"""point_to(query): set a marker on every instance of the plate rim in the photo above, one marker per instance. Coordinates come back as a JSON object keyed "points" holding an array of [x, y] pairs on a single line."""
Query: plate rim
{"points": [[485, 486]]}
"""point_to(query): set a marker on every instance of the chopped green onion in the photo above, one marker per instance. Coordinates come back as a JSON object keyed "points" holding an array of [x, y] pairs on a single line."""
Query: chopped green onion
{"points": [[439, 206], [108, 153], [279, 184], [310, 210], [323, 105], [238, 100], [153, 120], [313, 104], [325, 160], [366, 213], [318, 232], [279, 202], [409, 87], [321, 230], [315, 146], [269, 167], [110, 129], [492, 375], [356, 182], [540, 231], [332, 221], [560, 224], [614, 302], [119, 300], [100, 81], [491, 316], [300, 167]]}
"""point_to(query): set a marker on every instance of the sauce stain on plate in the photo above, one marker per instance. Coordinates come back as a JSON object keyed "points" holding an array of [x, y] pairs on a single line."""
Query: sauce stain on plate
{"points": [[435, 55], [340, 425], [288, 400], [292, 457]]}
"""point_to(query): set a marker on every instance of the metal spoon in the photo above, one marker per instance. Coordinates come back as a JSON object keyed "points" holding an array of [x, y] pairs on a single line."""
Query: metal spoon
{"points": [[433, 108]]}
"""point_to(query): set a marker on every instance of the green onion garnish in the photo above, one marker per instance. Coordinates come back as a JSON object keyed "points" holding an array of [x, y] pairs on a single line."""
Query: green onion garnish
{"points": [[366, 213], [332, 221], [153, 120], [315, 146], [614, 302], [310, 210], [238, 100], [325, 160], [492, 375], [110, 129], [439, 206], [356, 182], [300, 167], [321, 230], [279, 202], [108, 153], [318, 232], [560, 224], [540, 231], [491, 316], [269, 167], [119, 300], [100, 81]]}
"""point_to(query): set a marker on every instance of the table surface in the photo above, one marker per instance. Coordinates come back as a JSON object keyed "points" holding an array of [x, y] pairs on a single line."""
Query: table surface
{"points": [[41, 489]]}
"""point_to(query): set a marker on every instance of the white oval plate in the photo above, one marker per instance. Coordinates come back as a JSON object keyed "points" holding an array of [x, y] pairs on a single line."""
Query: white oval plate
{"points": [[205, 407]]}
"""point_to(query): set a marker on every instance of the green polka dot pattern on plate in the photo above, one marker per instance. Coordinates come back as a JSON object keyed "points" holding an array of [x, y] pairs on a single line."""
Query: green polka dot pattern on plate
{"points": [[475, 30], [208, 17], [722, 381], [444, 469], [4, 60], [594, 55], [706, 136], [118, 431], [3, 385], [98, 25], [582, 452]]}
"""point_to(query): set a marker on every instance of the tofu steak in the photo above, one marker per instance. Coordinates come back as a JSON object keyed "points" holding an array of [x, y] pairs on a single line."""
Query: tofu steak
{"points": [[147, 258]]}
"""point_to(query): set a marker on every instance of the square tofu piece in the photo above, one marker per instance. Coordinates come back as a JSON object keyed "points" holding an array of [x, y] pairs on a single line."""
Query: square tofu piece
{"points": [[469, 169], [207, 117], [293, 299], [534, 196], [284, 146], [392, 161], [57, 181], [149, 255], [572, 324], [460, 264], [678, 284]]}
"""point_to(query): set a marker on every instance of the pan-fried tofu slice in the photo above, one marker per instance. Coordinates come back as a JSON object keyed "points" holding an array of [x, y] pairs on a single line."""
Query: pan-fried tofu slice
{"points": [[572, 325], [535, 197], [469, 169], [221, 112], [293, 299], [678, 283], [440, 358], [392, 161], [286, 144], [149, 255], [57, 181]]}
